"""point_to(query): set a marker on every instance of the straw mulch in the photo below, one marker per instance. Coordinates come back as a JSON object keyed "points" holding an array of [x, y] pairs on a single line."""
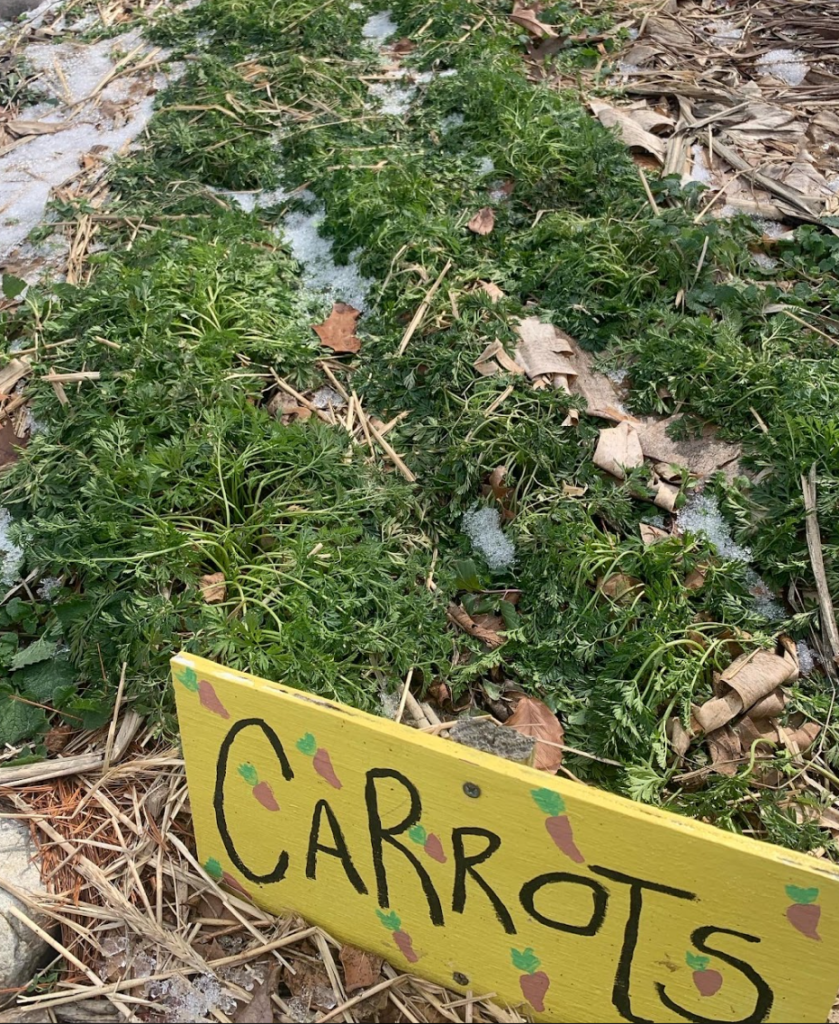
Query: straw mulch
{"points": [[142, 933]]}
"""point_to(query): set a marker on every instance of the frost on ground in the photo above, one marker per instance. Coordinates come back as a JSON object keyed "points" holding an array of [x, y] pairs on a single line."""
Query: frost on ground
{"points": [[321, 274], [393, 99], [787, 65], [806, 658], [32, 165], [11, 554], [250, 201], [701, 515], [483, 527], [378, 28]]}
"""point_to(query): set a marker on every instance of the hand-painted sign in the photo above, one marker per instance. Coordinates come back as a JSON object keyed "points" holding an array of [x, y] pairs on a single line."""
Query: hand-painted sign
{"points": [[482, 874]]}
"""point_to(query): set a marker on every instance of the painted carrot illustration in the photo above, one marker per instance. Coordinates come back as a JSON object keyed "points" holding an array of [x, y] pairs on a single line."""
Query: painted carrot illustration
{"points": [[558, 824], [261, 790], [402, 939], [708, 982], [804, 913], [320, 759], [206, 694], [429, 842], [215, 870], [534, 983]]}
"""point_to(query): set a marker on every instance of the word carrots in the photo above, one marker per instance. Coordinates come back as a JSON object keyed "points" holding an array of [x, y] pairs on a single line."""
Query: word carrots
{"points": [[215, 870], [534, 983], [429, 842], [804, 913], [708, 982], [402, 939], [321, 760], [558, 824], [261, 790], [206, 694]]}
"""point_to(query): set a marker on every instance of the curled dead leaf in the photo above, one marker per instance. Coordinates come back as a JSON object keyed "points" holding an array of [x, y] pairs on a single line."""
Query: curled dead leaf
{"points": [[618, 449], [483, 222], [213, 587], [726, 750], [746, 681], [491, 289], [338, 330], [462, 618], [361, 970], [535, 719], [620, 587], [652, 534], [678, 737], [494, 359], [527, 19]]}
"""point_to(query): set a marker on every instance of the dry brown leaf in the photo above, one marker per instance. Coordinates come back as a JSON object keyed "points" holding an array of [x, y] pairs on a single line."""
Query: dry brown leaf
{"points": [[535, 719], [494, 359], [619, 449], [22, 128], [620, 587], [573, 491], [259, 1010], [492, 290], [403, 45], [337, 330], [213, 587], [496, 483], [666, 496], [798, 740], [633, 134], [770, 706], [57, 738], [746, 681], [725, 749], [483, 222], [678, 737], [652, 534], [361, 970], [462, 618], [695, 579], [703, 455], [527, 19], [756, 731]]}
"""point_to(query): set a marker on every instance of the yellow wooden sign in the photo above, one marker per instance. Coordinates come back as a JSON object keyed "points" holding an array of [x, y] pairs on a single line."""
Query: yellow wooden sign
{"points": [[484, 875]]}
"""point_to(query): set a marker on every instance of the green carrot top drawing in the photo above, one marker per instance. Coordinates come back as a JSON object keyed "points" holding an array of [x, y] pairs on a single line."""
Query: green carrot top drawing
{"points": [[391, 921], [307, 744], [249, 773], [548, 801], [525, 960], [803, 897], [696, 962], [189, 679]]}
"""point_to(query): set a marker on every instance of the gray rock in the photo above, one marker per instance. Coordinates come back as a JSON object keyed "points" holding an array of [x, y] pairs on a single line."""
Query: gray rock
{"points": [[21, 951], [486, 735], [10, 9]]}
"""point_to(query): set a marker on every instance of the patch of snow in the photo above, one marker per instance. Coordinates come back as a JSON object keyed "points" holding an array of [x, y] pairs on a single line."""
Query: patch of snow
{"points": [[451, 121], [11, 554], [424, 77], [191, 1001], [628, 69], [486, 166], [499, 195], [787, 65], [483, 528], [700, 171], [378, 28], [392, 99], [34, 426], [326, 396], [320, 272], [618, 376], [725, 30], [448, 73], [701, 515], [49, 586], [806, 658], [764, 261], [770, 228], [30, 172], [250, 201]]}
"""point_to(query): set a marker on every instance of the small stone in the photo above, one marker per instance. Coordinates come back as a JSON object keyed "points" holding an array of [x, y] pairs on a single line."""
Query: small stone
{"points": [[22, 952], [481, 734]]}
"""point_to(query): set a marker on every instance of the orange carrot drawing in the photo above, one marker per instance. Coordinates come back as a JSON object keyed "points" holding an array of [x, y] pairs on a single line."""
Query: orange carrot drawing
{"points": [[804, 913], [206, 694], [402, 939], [261, 790], [320, 759], [708, 982], [216, 871], [429, 842], [558, 824], [534, 983]]}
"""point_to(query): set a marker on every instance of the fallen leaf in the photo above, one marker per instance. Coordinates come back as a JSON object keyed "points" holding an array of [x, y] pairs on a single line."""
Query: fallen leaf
{"points": [[798, 740], [535, 719], [403, 45], [462, 618], [573, 491], [57, 738], [22, 128], [259, 1010], [677, 736], [494, 359], [634, 135], [666, 496], [285, 408], [695, 579], [527, 19], [492, 290], [725, 749], [543, 351], [361, 970], [703, 455], [337, 330], [618, 449], [213, 587], [496, 483], [483, 222], [620, 587], [652, 534], [746, 681], [761, 732]]}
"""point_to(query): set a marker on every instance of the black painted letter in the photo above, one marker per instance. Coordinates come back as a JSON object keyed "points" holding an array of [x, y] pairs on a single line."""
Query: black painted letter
{"points": [[599, 895], [465, 865], [339, 850], [621, 995], [765, 996], [379, 835], [218, 797]]}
